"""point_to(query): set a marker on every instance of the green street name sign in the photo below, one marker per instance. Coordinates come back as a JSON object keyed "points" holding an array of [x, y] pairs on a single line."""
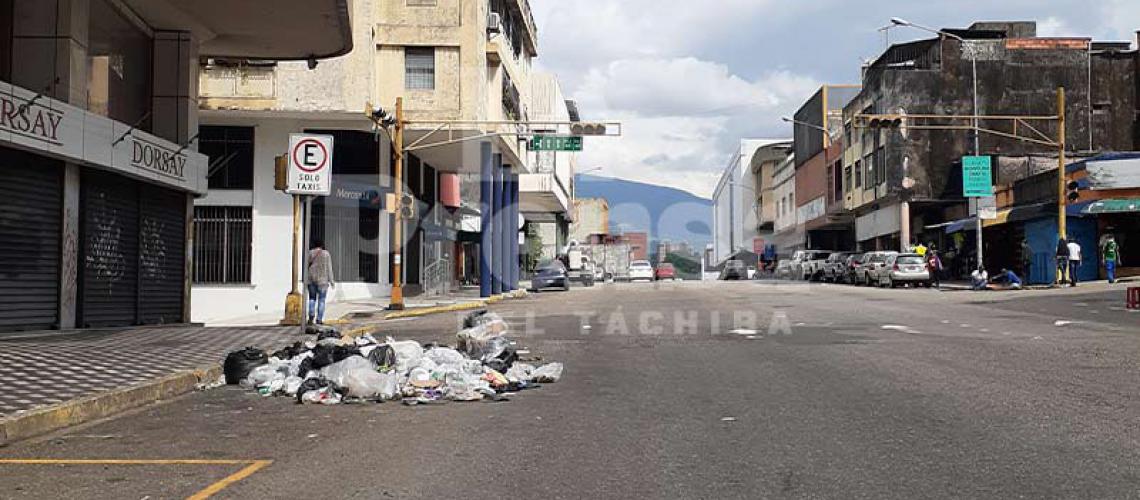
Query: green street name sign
{"points": [[556, 143], [977, 176]]}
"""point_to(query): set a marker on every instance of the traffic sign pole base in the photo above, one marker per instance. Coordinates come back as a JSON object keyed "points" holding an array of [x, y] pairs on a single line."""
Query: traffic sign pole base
{"points": [[292, 309]]}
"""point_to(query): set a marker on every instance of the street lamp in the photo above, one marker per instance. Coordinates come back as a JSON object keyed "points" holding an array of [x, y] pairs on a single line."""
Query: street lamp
{"points": [[806, 124], [898, 21]]}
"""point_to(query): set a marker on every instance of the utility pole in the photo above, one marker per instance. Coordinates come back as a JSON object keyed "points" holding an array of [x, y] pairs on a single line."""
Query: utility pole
{"points": [[1062, 219], [397, 300]]}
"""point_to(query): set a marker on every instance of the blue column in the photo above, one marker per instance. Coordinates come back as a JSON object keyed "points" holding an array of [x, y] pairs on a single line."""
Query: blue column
{"points": [[505, 265], [486, 178], [515, 232], [497, 223]]}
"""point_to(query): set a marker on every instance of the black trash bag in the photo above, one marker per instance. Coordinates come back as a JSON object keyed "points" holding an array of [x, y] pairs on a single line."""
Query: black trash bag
{"points": [[324, 355], [322, 331], [290, 352], [503, 361], [473, 319], [383, 356], [238, 364], [312, 384]]}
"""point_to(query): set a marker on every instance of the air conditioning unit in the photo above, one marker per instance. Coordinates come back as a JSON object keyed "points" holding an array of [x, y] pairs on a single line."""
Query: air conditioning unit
{"points": [[494, 23]]}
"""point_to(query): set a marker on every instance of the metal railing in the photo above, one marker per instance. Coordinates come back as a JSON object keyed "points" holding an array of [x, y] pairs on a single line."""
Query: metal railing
{"points": [[437, 277], [223, 244]]}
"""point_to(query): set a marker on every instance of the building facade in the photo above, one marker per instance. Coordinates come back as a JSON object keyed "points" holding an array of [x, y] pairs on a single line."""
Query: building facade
{"points": [[458, 67], [98, 141], [739, 201]]}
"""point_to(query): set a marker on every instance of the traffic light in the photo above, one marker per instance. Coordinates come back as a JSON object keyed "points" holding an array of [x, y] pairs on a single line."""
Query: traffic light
{"points": [[1072, 191], [587, 128]]}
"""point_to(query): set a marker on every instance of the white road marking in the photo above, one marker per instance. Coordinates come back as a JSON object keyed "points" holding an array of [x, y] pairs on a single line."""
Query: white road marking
{"points": [[743, 331], [1062, 322]]}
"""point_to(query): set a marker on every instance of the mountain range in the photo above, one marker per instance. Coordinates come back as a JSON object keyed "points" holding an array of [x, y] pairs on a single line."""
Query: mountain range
{"points": [[665, 213]]}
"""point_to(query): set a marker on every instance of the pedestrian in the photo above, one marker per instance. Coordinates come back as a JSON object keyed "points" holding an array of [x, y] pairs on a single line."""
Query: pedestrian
{"points": [[1008, 278], [1074, 261], [1062, 260], [1026, 257], [979, 279], [319, 281], [934, 266], [1111, 252]]}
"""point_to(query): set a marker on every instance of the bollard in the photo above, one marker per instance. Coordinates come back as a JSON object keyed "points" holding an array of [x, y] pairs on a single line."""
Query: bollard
{"points": [[1133, 298]]}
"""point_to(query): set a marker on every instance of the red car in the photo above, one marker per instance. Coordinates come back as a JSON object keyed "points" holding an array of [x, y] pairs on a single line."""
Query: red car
{"points": [[665, 272]]}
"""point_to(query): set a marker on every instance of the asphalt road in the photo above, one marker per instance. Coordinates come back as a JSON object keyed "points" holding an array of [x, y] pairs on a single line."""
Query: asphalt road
{"points": [[688, 390]]}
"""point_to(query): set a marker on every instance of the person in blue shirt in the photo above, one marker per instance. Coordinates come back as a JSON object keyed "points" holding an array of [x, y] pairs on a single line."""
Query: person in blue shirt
{"points": [[1008, 278]]}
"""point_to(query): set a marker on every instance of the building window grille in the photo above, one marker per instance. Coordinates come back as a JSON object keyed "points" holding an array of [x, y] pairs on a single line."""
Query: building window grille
{"points": [[419, 68], [223, 245]]}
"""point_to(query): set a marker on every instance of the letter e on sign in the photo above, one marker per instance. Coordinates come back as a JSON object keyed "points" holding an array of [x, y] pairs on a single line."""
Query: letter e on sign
{"points": [[310, 164]]}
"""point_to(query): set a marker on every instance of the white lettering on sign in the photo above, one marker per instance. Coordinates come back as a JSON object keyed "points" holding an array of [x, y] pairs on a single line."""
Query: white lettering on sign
{"points": [[310, 164], [145, 154], [20, 116]]}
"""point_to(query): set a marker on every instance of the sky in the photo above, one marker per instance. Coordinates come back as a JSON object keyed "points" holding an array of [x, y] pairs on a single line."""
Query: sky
{"points": [[689, 79]]}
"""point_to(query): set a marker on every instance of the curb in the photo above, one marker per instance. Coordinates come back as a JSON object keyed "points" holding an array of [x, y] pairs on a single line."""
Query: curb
{"points": [[461, 306], [104, 404]]}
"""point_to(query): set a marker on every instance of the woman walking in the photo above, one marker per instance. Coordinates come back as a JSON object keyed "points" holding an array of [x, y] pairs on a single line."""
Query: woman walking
{"points": [[319, 281]]}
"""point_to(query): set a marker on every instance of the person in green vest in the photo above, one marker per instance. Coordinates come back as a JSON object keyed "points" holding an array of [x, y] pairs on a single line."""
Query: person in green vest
{"points": [[1111, 254]]}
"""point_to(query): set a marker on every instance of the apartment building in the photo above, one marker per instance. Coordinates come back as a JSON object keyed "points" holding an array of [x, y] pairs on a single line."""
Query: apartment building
{"points": [[743, 205], [98, 147], [459, 67]]}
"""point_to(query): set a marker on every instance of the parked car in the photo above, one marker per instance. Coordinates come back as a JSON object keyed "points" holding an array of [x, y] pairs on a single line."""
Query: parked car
{"points": [[852, 268], [550, 274], [640, 270], [784, 269], [798, 266], [734, 270], [835, 267], [873, 265], [905, 268], [813, 264], [665, 271]]}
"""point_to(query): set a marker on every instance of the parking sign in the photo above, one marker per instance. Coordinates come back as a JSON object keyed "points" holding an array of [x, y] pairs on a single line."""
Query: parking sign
{"points": [[310, 164]]}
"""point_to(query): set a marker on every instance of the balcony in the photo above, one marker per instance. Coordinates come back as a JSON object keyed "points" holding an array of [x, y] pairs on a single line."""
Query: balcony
{"points": [[237, 87], [543, 193]]}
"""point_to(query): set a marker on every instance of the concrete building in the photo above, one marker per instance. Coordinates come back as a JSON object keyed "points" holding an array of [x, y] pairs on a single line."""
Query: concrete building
{"points": [[546, 194], [98, 129], [787, 233], [900, 181], [638, 242], [819, 170], [457, 66], [591, 221], [741, 211]]}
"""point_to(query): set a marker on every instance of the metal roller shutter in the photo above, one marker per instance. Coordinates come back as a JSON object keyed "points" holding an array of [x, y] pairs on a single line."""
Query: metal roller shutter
{"points": [[109, 283], [30, 212], [162, 255]]}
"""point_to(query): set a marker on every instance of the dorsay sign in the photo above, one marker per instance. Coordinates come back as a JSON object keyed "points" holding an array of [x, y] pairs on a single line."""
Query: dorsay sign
{"points": [[310, 164]]}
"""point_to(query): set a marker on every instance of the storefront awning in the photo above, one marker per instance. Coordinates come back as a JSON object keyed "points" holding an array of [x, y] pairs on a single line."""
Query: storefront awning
{"points": [[1124, 205], [1019, 214]]}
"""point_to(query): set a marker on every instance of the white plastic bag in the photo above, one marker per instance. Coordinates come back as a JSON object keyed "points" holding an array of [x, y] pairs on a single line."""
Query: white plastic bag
{"points": [[292, 384], [357, 376], [519, 372], [324, 395], [408, 353], [547, 373], [445, 356], [264, 374], [295, 364]]}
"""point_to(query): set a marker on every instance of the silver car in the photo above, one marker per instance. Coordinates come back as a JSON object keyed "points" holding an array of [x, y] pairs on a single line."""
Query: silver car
{"points": [[873, 264], [905, 268]]}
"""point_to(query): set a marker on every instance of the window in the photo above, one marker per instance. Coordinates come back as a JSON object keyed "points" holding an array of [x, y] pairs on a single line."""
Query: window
{"points": [[231, 155], [223, 240], [6, 15], [847, 176], [419, 68], [870, 175], [837, 180], [858, 174], [118, 67]]}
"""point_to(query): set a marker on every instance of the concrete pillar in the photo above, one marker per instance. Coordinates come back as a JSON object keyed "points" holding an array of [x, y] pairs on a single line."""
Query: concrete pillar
{"points": [[175, 92], [497, 222], [505, 237], [49, 48], [515, 232], [69, 257], [904, 225], [486, 226]]}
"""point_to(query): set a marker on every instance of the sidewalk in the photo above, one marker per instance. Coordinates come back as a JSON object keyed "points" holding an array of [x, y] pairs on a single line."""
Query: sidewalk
{"points": [[55, 380]]}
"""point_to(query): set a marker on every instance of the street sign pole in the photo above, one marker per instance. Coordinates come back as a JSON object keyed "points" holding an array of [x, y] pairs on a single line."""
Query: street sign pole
{"points": [[977, 183], [304, 264]]}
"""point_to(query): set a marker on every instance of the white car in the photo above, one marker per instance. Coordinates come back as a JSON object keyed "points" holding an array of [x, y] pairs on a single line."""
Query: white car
{"points": [[640, 270]]}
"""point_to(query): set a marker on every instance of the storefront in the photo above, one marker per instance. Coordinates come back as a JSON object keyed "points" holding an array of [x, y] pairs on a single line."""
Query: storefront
{"points": [[93, 218]]}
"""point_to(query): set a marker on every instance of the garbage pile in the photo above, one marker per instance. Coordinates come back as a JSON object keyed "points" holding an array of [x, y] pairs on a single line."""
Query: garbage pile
{"points": [[333, 370]]}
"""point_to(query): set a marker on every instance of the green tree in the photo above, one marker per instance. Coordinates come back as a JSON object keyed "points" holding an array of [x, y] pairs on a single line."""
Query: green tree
{"points": [[533, 248], [686, 268]]}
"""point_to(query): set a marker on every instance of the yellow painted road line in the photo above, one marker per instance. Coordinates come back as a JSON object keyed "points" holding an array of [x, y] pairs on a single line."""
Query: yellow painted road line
{"points": [[231, 479], [252, 466]]}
